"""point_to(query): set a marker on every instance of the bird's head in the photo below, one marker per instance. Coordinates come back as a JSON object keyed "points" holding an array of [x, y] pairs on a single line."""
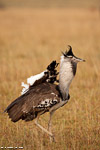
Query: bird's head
{"points": [[69, 56]]}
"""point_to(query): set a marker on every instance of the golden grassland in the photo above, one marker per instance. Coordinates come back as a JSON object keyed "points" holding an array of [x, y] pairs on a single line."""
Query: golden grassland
{"points": [[29, 40]]}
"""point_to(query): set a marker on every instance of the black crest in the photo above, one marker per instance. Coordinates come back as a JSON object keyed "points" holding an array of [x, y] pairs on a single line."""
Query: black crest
{"points": [[69, 52]]}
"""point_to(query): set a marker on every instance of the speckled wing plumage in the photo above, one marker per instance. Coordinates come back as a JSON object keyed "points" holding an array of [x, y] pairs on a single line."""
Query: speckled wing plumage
{"points": [[50, 75], [40, 97]]}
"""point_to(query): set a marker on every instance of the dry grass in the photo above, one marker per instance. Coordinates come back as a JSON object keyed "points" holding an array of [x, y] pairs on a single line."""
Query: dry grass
{"points": [[50, 3], [31, 39]]}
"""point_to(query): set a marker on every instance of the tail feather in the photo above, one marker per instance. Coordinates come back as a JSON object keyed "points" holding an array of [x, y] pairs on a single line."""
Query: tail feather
{"points": [[15, 113], [14, 110]]}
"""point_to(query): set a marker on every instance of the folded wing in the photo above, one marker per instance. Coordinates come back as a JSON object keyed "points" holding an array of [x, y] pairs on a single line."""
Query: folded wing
{"points": [[39, 97]]}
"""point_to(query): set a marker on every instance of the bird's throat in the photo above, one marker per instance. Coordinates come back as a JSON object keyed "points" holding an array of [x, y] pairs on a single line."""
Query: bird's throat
{"points": [[65, 78]]}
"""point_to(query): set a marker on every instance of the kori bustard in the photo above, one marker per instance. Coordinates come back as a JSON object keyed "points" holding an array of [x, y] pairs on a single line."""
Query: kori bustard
{"points": [[41, 94]]}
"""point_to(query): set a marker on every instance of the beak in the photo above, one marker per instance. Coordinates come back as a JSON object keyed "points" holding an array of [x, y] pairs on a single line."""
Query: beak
{"points": [[79, 59]]}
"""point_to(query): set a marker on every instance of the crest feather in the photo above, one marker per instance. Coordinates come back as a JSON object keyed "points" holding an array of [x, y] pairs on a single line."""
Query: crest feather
{"points": [[69, 52]]}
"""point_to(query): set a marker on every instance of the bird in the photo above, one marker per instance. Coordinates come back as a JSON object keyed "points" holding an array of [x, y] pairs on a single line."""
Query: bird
{"points": [[45, 93]]}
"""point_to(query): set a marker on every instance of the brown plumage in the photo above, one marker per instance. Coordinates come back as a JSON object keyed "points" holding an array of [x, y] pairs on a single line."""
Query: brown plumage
{"points": [[37, 100]]}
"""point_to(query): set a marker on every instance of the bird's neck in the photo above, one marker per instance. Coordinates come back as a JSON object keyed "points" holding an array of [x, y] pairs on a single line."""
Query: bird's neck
{"points": [[66, 75]]}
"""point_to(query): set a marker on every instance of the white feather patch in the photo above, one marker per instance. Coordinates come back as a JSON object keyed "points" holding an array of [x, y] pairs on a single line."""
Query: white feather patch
{"points": [[25, 89], [31, 81], [53, 93]]}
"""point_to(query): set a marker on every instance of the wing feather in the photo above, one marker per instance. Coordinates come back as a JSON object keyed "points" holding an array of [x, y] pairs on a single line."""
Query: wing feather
{"points": [[37, 99], [49, 75]]}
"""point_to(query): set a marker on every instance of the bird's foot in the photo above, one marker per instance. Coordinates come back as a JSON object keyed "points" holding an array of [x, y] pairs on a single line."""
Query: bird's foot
{"points": [[52, 138]]}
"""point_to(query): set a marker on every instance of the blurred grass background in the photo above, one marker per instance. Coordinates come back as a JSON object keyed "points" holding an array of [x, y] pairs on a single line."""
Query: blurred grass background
{"points": [[51, 3], [32, 34]]}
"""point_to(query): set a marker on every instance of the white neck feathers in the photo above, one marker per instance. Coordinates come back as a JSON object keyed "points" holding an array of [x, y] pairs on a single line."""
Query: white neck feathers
{"points": [[65, 76]]}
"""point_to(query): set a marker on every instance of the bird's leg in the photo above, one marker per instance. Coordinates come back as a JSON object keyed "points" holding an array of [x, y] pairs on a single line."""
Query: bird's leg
{"points": [[49, 125], [42, 128], [50, 121]]}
